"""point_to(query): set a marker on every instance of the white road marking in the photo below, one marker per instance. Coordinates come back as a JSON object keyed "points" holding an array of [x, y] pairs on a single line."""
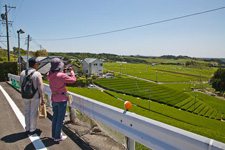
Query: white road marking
{"points": [[38, 144]]}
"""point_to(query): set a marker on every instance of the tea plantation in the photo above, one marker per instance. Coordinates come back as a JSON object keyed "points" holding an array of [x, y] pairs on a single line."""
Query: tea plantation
{"points": [[162, 94], [163, 73]]}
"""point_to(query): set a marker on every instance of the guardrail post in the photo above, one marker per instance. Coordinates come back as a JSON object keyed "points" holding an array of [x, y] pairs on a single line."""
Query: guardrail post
{"points": [[130, 144]]}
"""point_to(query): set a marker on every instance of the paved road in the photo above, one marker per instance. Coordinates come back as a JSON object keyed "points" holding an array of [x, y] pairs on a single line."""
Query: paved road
{"points": [[12, 132]]}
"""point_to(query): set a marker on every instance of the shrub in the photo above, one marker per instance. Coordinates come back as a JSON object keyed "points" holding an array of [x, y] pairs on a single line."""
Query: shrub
{"points": [[7, 67], [81, 82]]}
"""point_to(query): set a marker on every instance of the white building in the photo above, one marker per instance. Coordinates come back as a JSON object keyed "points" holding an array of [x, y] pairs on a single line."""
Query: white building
{"points": [[92, 65]]}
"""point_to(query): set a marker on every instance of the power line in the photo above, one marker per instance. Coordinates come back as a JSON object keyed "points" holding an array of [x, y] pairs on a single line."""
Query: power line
{"points": [[3, 44], [39, 45], [19, 7], [139, 26]]}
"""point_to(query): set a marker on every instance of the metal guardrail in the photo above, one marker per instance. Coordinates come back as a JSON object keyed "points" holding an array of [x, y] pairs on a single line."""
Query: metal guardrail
{"points": [[151, 133]]}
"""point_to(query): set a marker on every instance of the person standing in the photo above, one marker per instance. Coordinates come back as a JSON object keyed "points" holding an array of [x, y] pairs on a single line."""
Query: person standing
{"points": [[57, 83], [32, 104]]}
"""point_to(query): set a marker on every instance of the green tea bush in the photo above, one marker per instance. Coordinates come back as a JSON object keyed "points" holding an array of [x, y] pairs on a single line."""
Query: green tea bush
{"points": [[204, 111], [184, 102], [223, 117], [209, 112], [218, 116], [213, 115], [199, 109], [195, 106], [189, 104]]}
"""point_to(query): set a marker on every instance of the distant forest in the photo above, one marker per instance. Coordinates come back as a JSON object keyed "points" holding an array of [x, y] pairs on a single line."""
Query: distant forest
{"points": [[186, 60], [142, 59]]}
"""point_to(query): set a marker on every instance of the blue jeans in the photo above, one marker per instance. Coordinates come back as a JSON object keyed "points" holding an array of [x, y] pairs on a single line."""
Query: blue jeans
{"points": [[59, 110]]}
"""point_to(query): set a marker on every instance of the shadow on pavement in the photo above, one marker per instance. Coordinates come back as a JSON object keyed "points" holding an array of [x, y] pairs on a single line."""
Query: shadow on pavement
{"points": [[14, 137], [48, 142]]}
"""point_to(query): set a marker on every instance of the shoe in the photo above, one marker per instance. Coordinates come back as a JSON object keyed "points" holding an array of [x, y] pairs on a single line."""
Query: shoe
{"points": [[35, 131], [61, 139]]}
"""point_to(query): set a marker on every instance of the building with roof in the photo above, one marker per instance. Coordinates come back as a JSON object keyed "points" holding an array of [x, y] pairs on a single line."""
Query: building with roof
{"points": [[60, 57], [24, 61], [44, 69], [92, 66], [43, 60]]}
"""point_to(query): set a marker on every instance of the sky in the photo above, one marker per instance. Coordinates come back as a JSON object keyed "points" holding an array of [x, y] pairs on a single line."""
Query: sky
{"points": [[55, 25]]}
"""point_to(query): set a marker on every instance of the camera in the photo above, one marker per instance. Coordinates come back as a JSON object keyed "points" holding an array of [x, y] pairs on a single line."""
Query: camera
{"points": [[67, 69]]}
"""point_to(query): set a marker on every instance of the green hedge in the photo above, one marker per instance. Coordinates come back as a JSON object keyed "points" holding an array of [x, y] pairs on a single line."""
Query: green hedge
{"points": [[81, 82], [7, 67]]}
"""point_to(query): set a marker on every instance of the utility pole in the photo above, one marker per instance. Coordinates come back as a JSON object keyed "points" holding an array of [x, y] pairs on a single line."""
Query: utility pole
{"points": [[195, 101], [7, 28], [120, 68], [156, 76], [28, 40], [149, 101], [7, 31], [135, 85], [19, 32], [200, 77]]}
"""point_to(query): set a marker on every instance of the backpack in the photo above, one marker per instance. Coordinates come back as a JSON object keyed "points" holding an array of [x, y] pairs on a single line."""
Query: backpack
{"points": [[27, 88]]}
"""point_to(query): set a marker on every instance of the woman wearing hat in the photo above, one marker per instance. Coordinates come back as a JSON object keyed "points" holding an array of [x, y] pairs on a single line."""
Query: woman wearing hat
{"points": [[57, 82]]}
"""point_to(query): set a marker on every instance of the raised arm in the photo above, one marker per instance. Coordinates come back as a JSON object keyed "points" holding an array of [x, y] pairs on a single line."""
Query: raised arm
{"points": [[68, 79]]}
